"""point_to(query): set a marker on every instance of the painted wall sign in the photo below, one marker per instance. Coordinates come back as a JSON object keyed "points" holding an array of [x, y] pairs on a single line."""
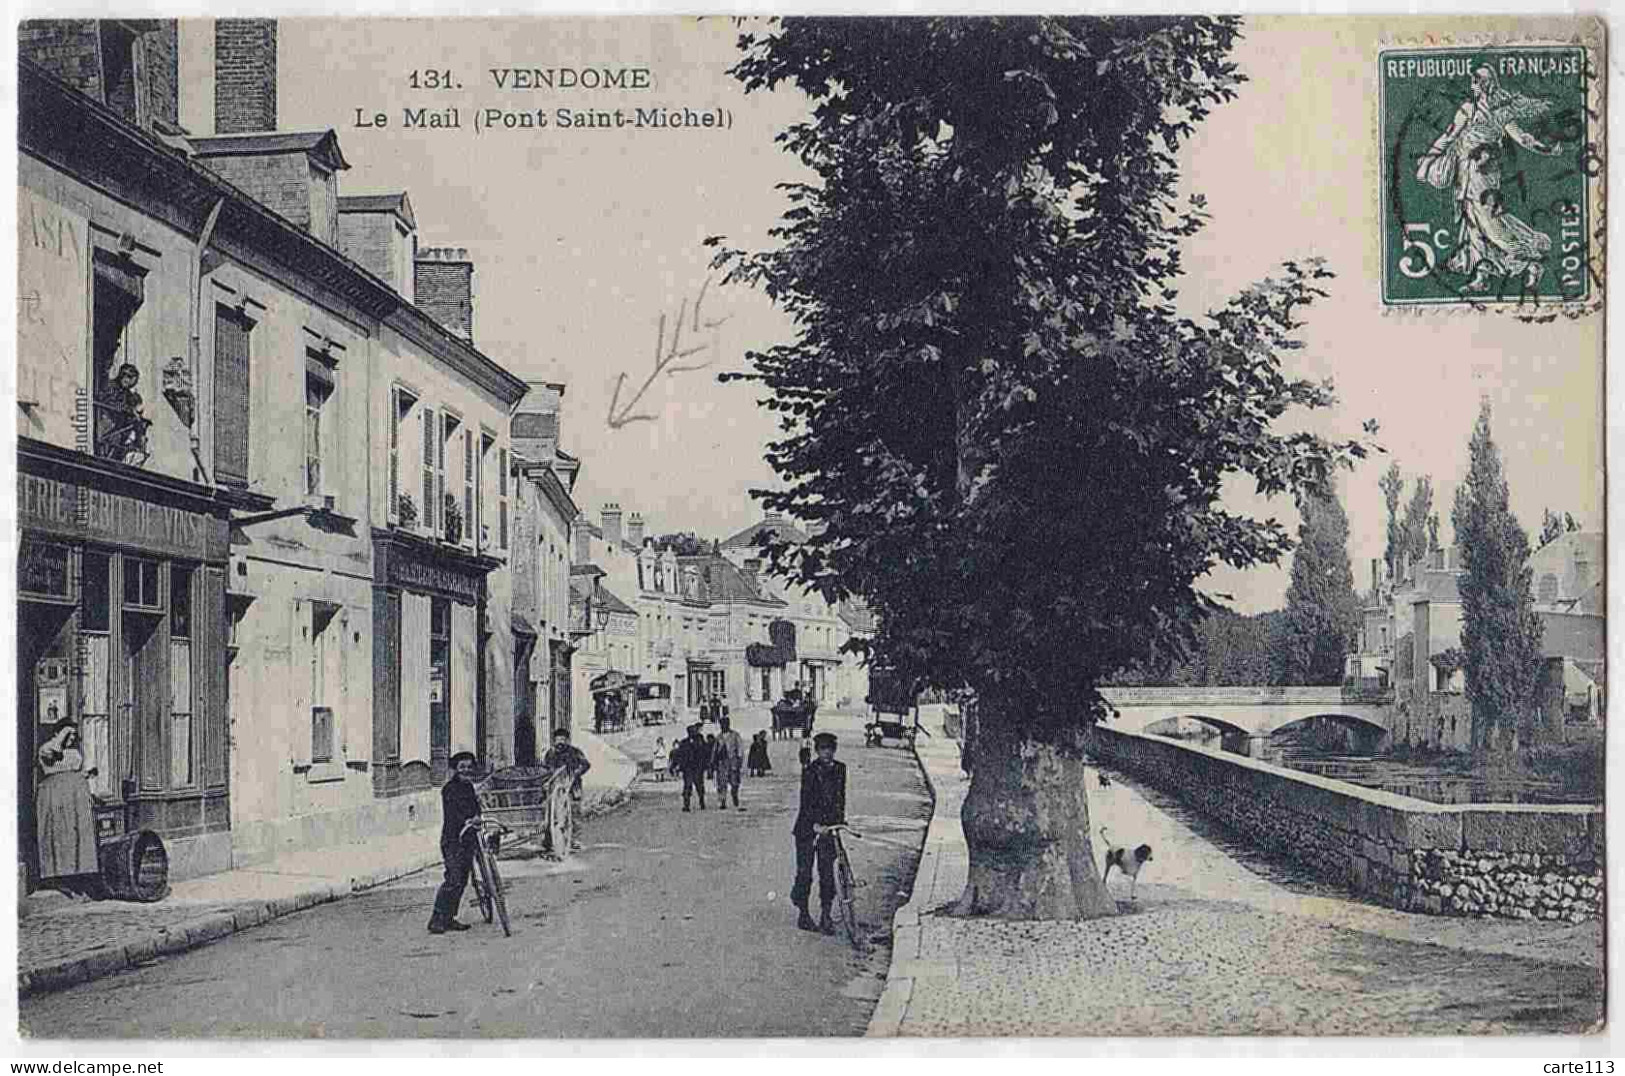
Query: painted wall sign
{"points": [[61, 507]]}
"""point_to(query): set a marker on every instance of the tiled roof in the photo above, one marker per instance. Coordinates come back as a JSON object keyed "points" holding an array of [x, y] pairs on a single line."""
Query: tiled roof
{"points": [[608, 600], [782, 528], [720, 579], [397, 204], [320, 143]]}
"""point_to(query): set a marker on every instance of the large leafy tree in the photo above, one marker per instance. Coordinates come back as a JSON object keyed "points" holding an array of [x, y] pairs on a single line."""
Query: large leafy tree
{"points": [[1418, 513], [1500, 633], [1322, 612], [1014, 444]]}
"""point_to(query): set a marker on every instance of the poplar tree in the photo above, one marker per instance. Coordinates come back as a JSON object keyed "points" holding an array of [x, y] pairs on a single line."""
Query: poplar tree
{"points": [[1322, 611], [1501, 635]]}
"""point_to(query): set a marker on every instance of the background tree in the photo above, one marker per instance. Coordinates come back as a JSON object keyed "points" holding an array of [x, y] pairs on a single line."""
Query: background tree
{"points": [[684, 543], [1392, 485], [1014, 445], [1322, 612], [1500, 633], [1415, 526]]}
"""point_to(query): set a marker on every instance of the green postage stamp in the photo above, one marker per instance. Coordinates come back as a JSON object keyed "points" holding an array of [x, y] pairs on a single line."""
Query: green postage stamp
{"points": [[1490, 157]]}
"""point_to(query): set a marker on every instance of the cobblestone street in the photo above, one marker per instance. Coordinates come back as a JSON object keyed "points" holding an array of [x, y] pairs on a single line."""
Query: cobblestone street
{"points": [[1221, 941]]}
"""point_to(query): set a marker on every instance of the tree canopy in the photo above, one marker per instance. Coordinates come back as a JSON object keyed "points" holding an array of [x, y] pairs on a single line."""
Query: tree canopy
{"points": [[1014, 443]]}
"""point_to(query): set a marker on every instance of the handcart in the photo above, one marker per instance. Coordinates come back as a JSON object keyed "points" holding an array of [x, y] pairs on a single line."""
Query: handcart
{"points": [[533, 802]]}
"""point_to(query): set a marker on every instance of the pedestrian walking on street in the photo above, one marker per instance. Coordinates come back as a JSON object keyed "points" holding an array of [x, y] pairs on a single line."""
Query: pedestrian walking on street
{"points": [[758, 762], [458, 803], [692, 757], [660, 760], [823, 804], [727, 759]]}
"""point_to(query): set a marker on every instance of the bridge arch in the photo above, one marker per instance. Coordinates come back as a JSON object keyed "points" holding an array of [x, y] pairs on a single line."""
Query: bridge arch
{"points": [[1165, 724], [1369, 733]]}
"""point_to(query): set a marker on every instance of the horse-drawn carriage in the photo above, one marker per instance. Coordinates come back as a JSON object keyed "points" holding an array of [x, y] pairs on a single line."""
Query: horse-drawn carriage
{"points": [[793, 715], [894, 706]]}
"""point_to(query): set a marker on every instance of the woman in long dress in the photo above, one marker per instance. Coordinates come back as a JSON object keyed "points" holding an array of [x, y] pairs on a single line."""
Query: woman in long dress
{"points": [[67, 824]]}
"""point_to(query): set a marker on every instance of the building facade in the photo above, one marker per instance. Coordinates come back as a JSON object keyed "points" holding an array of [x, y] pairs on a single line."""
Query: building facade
{"points": [[265, 496]]}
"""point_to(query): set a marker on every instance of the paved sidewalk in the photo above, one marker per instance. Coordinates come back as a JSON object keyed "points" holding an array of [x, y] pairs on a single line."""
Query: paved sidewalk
{"points": [[1213, 947], [62, 942]]}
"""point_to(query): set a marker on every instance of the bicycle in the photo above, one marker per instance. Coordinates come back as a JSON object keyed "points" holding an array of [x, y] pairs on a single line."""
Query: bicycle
{"points": [[486, 878], [845, 884]]}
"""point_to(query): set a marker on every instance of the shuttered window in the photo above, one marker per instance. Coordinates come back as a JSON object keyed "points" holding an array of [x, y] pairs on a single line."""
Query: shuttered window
{"points": [[231, 397], [502, 498], [470, 520], [447, 425], [392, 508], [430, 503]]}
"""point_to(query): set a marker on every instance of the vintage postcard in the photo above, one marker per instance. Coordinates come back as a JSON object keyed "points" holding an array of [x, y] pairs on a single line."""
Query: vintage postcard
{"points": [[760, 528]]}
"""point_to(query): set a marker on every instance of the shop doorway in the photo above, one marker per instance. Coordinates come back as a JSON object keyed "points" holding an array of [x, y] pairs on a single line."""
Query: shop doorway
{"points": [[439, 688], [43, 699]]}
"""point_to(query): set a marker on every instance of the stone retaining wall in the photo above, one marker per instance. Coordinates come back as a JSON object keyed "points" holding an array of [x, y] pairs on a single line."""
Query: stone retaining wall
{"points": [[1508, 860]]}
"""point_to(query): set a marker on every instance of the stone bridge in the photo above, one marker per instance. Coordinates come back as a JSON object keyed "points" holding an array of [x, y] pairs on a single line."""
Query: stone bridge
{"points": [[1246, 716]]}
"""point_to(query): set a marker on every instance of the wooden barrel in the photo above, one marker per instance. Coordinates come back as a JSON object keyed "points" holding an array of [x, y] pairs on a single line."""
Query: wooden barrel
{"points": [[136, 867]]}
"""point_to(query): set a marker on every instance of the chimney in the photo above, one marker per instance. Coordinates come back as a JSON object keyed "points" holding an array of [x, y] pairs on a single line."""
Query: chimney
{"points": [[130, 65], [583, 541], [443, 284], [244, 75], [534, 428], [634, 530], [379, 233], [1376, 576], [612, 523]]}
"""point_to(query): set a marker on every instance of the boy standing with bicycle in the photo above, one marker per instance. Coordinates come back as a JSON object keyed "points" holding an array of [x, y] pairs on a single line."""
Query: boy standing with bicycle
{"points": [[458, 803], [823, 804]]}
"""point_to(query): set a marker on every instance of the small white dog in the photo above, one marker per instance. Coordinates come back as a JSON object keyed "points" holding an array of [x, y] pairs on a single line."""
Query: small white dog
{"points": [[1126, 861]]}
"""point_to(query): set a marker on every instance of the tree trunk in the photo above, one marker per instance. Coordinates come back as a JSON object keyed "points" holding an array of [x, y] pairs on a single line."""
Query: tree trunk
{"points": [[1026, 821]]}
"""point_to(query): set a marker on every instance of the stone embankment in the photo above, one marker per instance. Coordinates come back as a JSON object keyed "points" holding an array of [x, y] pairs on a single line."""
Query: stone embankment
{"points": [[1508, 860]]}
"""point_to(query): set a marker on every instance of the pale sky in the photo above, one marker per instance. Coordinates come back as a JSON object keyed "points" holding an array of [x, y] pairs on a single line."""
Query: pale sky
{"points": [[582, 238]]}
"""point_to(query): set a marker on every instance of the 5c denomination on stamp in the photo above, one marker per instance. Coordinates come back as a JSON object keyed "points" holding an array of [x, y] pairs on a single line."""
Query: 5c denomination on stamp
{"points": [[1488, 161]]}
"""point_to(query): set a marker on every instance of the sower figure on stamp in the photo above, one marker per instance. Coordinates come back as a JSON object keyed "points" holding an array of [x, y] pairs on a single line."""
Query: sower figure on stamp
{"points": [[458, 803], [727, 758], [1490, 240], [823, 804]]}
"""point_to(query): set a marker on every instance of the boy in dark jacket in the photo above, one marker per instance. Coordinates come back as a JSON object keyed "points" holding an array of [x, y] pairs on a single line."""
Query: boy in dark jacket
{"points": [[823, 804], [458, 803]]}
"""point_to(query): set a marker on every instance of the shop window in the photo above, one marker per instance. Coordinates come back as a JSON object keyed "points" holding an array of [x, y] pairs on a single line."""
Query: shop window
{"points": [[42, 569], [141, 584], [325, 675], [318, 391], [95, 717], [120, 424], [180, 677], [231, 396]]}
